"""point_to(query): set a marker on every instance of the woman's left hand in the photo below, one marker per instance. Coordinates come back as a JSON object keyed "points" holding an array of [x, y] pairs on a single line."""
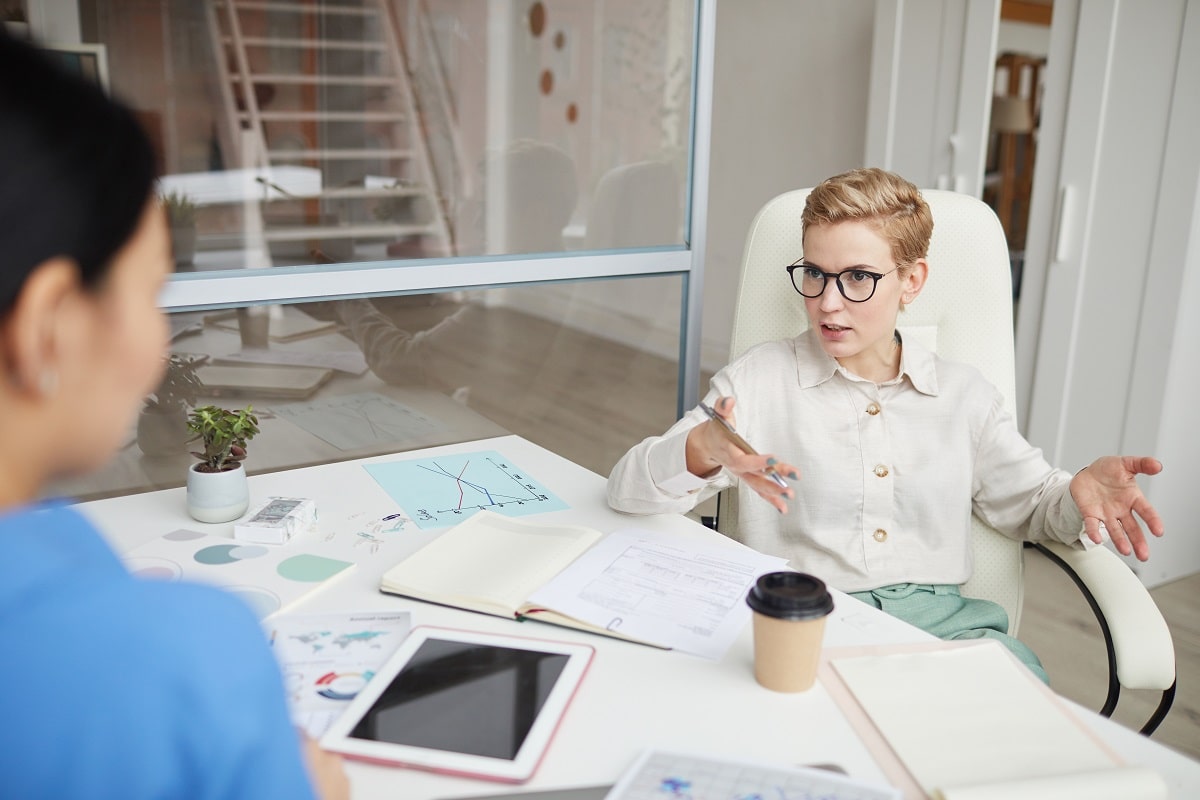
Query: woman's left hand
{"points": [[1106, 492]]}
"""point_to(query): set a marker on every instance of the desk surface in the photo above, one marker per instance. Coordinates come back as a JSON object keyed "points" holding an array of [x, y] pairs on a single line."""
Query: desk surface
{"points": [[634, 697]]}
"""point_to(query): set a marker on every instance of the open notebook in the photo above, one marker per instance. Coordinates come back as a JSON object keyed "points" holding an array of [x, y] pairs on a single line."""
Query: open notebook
{"points": [[644, 586]]}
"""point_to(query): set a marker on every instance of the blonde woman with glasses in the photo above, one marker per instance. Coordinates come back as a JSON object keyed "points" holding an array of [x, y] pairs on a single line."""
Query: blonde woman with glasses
{"points": [[884, 448]]}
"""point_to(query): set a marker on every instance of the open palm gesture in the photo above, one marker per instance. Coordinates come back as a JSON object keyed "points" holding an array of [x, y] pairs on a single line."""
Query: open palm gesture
{"points": [[1107, 495]]}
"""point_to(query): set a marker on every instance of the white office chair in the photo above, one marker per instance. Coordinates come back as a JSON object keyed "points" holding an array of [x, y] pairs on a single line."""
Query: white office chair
{"points": [[964, 313]]}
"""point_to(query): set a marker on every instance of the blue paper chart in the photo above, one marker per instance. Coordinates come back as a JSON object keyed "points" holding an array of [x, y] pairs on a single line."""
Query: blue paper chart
{"points": [[445, 490]]}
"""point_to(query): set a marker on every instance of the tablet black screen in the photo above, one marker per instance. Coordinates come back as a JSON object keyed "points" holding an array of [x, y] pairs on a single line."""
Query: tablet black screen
{"points": [[465, 698]]}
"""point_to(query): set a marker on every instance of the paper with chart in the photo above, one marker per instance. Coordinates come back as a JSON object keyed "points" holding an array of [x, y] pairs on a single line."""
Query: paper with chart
{"points": [[659, 775], [685, 594], [327, 659], [445, 490], [268, 578]]}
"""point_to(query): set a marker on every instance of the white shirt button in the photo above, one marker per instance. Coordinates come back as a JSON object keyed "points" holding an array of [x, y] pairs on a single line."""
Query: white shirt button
{"points": [[873, 409], [880, 535], [881, 471]]}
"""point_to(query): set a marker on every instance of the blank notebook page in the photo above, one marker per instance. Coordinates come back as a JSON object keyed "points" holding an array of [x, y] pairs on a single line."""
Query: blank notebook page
{"points": [[970, 715]]}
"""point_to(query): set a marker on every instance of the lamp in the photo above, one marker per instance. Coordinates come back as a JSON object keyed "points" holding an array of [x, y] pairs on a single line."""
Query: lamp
{"points": [[1011, 114]]}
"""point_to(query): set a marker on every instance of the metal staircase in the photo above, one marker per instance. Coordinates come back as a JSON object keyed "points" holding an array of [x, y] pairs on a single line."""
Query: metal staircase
{"points": [[320, 109]]}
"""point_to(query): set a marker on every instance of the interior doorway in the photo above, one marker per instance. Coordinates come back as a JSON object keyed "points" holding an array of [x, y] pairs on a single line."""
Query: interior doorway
{"points": [[1022, 46]]}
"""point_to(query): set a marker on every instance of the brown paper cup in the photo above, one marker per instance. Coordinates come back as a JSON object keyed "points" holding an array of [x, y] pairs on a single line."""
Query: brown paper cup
{"points": [[787, 652], [789, 625]]}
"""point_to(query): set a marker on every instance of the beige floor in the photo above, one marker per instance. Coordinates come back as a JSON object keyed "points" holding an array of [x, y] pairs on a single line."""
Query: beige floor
{"points": [[589, 400]]}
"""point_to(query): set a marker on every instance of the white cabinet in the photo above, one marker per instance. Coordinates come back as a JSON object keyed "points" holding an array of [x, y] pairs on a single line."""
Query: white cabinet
{"points": [[1107, 334], [931, 88]]}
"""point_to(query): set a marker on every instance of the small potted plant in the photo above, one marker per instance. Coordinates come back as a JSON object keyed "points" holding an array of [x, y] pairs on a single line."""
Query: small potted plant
{"points": [[217, 490], [181, 218], [162, 426]]}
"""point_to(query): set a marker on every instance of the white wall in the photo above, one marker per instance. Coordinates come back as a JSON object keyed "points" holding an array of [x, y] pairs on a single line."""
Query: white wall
{"points": [[1107, 326], [1173, 491], [1166, 374], [789, 108]]}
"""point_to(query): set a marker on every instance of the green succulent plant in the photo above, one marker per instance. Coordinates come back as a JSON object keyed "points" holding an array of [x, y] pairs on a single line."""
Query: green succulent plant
{"points": [[224, 434]]}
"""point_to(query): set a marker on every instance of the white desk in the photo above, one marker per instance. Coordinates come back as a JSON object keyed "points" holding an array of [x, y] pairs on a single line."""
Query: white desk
{"points": [[633, 697]]}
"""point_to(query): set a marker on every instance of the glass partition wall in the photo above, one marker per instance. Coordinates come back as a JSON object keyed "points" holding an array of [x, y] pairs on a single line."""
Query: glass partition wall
{"points": [[400, 223]]}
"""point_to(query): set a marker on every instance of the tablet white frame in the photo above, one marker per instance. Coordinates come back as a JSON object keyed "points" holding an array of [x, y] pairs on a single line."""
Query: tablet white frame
{"points": [[516, 770]]}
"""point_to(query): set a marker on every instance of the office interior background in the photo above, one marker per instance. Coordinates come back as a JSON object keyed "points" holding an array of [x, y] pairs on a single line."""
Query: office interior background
{"points": [[445, 219]]}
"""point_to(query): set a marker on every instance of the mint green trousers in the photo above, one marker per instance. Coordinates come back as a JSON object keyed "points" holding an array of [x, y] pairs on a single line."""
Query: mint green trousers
{"points": [[945, 613]]}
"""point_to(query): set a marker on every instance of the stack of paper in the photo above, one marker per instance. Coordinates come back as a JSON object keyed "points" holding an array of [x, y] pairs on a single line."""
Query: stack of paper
{"points": [[327, 659], [970, 722]]}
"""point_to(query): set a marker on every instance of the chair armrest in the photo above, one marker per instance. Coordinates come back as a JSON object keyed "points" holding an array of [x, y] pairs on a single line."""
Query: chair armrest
{"points": [[1141, 640]]}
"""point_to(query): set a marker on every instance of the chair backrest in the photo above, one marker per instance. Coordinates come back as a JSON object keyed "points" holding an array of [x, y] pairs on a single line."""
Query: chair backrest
{"points": [[964, 313]]}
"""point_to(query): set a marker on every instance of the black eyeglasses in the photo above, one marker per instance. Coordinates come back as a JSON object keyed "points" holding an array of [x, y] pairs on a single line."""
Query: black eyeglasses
{"points": [[856, 284]]}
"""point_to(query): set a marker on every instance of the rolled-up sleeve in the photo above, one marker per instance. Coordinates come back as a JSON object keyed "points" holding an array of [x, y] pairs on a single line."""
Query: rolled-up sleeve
{"points": [[653, 478]]}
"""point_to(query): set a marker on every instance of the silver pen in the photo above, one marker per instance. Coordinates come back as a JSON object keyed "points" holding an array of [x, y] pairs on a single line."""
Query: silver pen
{"points": [[741, 443]]}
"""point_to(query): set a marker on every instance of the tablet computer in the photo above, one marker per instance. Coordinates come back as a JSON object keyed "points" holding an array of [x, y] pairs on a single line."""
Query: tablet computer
{"points": [[476, 704]]}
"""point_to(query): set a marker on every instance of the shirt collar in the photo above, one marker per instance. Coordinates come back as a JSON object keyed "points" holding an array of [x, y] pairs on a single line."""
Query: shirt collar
{"points": [[814, 366]]}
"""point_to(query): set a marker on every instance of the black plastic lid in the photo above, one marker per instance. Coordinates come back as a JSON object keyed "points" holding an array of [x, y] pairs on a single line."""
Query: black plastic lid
{"points": [[790, 595]]}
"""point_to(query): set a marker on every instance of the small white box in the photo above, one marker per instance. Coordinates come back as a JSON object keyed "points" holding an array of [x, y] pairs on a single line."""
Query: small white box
{"points": [[277, 520]]}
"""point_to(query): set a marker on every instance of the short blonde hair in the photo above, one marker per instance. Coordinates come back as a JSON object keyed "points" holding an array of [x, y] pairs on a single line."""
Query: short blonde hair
{"points": [[892, 204]]}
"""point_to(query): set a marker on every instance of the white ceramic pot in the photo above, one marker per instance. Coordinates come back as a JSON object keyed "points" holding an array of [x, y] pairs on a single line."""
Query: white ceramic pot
{"points": [[217, 496]]}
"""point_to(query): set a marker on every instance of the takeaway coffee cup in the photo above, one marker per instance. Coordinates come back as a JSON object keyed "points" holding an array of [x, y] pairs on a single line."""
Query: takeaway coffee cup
{"points": [[789, 622]]}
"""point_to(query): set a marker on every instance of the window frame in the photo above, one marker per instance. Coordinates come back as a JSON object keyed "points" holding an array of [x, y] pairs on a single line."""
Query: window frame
{"points": [[231, 289]]}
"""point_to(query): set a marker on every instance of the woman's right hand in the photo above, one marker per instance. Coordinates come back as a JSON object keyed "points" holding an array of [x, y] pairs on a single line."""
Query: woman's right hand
{"points": [[326, 770], [710, 448]]}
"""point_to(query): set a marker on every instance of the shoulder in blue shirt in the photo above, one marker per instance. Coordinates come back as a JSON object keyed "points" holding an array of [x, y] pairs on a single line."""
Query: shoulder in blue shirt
{"points": [[125, 688]]}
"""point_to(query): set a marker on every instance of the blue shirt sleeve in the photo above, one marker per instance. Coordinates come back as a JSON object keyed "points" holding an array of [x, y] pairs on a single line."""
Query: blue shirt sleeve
{"points": [[125, 688]]}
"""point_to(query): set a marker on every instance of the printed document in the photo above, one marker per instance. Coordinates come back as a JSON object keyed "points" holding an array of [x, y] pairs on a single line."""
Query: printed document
{"points": [[679, 593]]}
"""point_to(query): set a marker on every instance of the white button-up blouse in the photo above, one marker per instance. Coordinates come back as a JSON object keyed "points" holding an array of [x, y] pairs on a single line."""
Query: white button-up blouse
{"points": [[890, 473]]}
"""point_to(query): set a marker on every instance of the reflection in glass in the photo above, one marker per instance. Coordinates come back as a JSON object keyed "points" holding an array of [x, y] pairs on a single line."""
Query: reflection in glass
{"points": [[338, 380], [364, 130]]}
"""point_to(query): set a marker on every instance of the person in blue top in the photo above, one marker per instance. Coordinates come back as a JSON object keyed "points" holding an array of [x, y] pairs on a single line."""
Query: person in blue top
{"points": [[113, 687]]}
